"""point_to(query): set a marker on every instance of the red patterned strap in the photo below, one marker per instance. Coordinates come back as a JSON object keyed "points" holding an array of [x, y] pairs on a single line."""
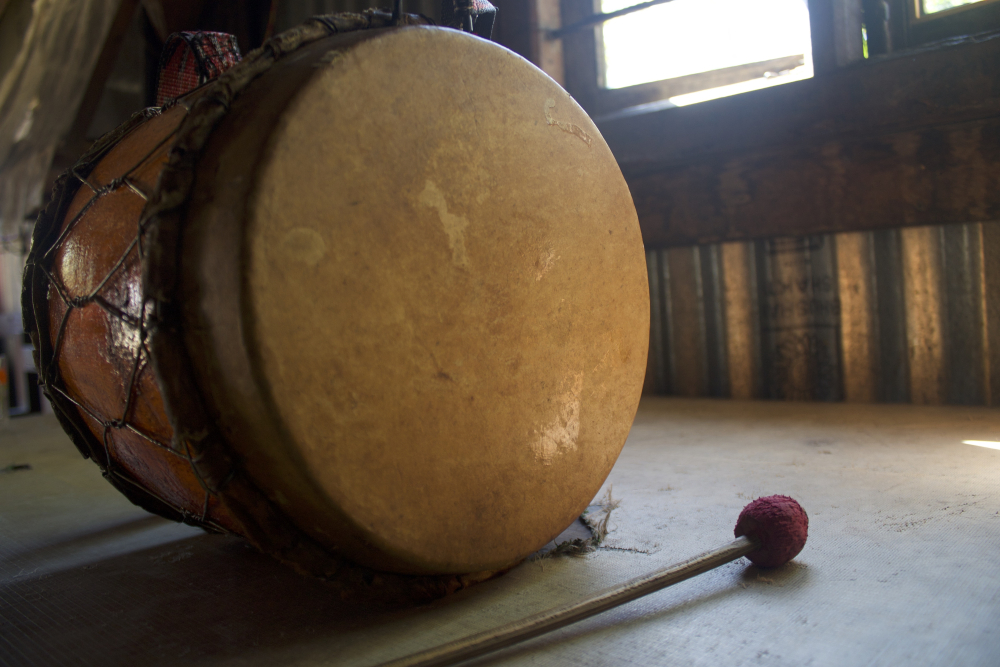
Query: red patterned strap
{"points": [[476, 16], [191, 59]]}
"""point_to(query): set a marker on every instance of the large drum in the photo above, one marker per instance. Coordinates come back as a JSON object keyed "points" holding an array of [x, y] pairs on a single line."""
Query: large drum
{"points": [[378, 295]]}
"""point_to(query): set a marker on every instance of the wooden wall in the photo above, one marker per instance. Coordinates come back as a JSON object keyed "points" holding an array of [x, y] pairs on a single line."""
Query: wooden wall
{"points": [[855, 208], [894, 315]]}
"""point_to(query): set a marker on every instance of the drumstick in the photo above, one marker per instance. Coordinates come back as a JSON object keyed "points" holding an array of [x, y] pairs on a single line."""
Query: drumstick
{"points": [[770, 532]]}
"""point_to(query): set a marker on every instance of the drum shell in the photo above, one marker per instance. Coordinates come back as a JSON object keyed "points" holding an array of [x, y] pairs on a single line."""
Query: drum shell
{"points": [[151, 449], [206, 368]]}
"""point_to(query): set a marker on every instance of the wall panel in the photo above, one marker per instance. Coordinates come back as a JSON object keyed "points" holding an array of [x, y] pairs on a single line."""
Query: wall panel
{"points": [[909, 315]]}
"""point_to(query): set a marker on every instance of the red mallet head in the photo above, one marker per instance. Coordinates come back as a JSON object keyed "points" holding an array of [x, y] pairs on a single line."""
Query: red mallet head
{"points": [[779, 524]]}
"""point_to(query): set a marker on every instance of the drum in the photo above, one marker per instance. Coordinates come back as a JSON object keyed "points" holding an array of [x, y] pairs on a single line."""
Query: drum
{"points": [[376, 293]]}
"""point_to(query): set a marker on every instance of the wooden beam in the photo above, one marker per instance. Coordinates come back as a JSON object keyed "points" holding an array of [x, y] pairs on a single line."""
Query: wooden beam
{"points": [[613, 100], [548, 52], [909, 139], [582, 75]]}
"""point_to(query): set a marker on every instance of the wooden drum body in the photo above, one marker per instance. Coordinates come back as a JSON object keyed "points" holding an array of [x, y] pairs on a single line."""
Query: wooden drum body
{"points": [[393, 290]]}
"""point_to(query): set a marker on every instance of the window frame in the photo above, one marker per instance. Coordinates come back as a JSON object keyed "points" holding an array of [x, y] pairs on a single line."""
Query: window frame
{"points": [[917, 10], [965, 20]]}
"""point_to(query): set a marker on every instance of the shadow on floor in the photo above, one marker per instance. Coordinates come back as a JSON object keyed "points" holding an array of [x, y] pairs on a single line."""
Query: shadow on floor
{"points": [[208, 596]]}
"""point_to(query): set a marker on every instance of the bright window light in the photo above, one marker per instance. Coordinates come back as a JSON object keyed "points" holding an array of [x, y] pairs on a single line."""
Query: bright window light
{"points": [[692, 36], [934, 6], [989, 444]]}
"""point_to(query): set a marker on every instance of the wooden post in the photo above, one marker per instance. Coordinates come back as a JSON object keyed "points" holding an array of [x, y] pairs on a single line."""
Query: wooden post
{"points": [[836, 33], [550, 51]]}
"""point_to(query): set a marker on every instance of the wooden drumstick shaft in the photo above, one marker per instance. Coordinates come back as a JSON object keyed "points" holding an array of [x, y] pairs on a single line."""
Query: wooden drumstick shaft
{"points": [[553, 619]]}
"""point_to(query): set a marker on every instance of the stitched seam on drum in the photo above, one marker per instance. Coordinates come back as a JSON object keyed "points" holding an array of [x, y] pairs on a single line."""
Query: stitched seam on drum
{"points": [[107, 189], [54, 211]]}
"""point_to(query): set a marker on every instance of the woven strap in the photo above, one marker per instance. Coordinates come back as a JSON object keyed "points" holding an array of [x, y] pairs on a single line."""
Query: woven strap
{"points": [[475, 16], [192, 59]]}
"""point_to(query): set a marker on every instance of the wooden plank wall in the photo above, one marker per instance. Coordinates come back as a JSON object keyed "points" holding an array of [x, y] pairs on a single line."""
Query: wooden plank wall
{"points": [[900, 315]]}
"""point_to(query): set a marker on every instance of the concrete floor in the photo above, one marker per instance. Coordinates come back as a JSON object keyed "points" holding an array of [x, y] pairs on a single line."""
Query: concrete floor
{"points": [[901, 565]]}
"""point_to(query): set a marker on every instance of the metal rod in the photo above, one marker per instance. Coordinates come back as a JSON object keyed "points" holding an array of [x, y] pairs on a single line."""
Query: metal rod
{"points": [[558, 33], [553, 619]]}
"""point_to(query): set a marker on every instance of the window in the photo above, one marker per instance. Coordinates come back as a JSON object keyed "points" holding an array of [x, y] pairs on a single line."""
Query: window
{"points": [[668, 53], [912, 23], [682, 51], [687, 37], [925, 8]]}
